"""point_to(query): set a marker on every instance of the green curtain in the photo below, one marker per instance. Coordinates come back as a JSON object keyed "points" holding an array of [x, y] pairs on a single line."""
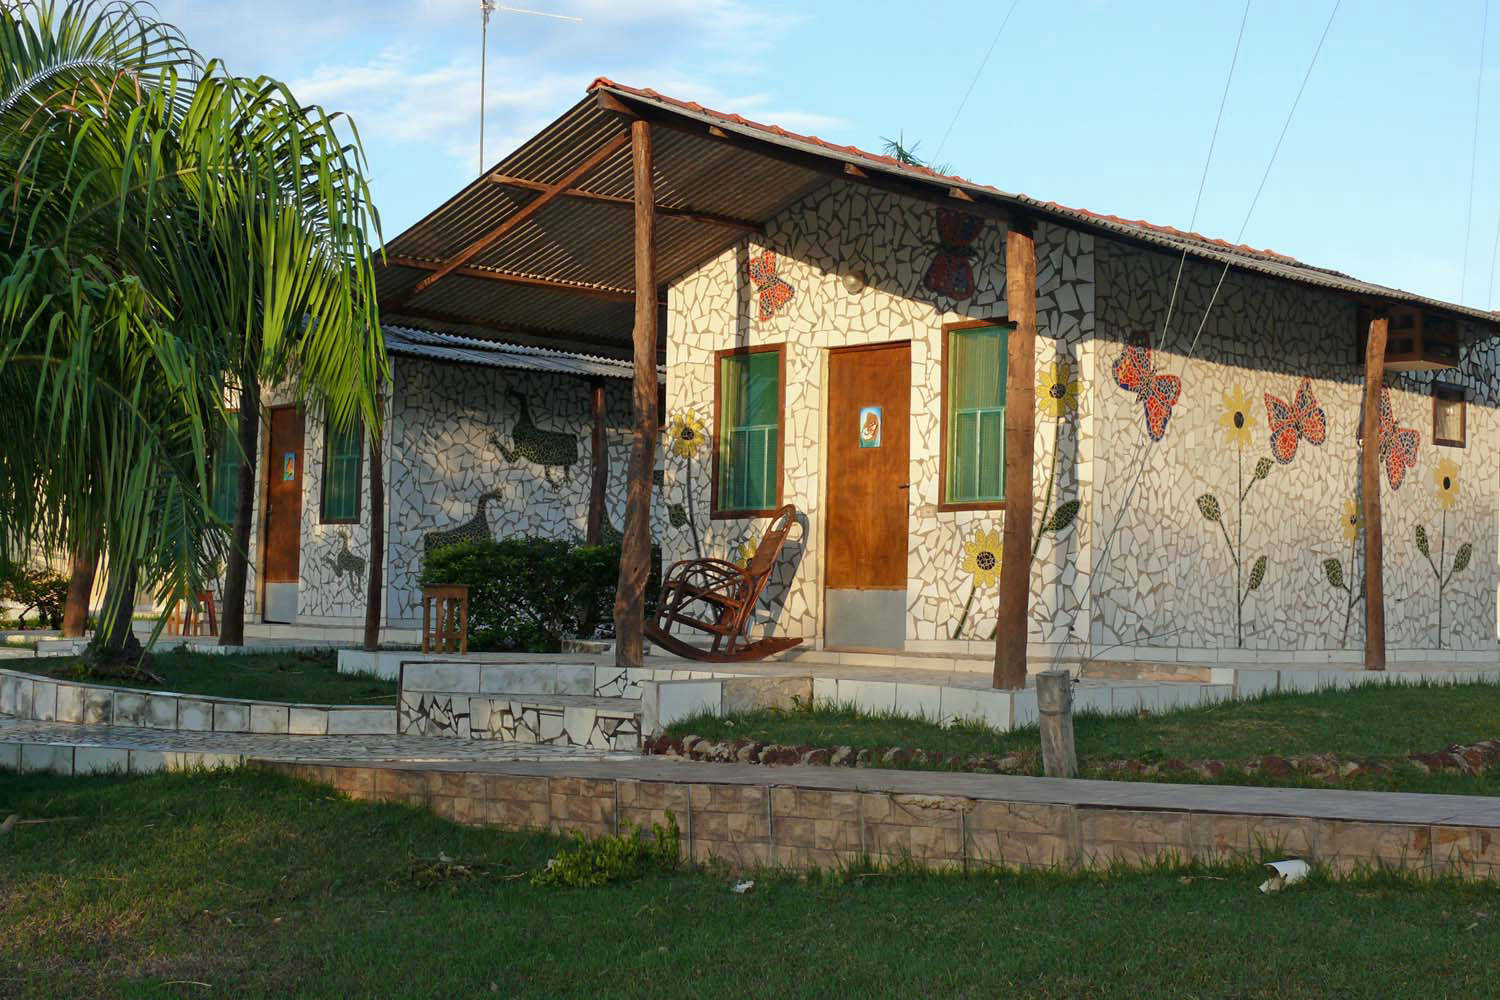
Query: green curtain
{"points": [[749, 432]]}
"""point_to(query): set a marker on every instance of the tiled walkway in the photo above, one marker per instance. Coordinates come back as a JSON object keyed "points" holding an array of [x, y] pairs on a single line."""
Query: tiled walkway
{"points": [[68, 748]]}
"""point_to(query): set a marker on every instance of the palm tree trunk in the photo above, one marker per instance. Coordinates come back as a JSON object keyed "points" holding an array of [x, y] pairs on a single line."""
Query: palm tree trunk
{"points": [[115, 633], [80, 589], [232, 625], [373, 592]]}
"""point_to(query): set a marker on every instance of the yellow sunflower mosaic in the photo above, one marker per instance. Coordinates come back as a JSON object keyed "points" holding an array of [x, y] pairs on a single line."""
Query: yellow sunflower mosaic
{"points": [[1237, 417], [1445, 479], [1057, 389], [686, 434], [982, 557], [1352, 520]]}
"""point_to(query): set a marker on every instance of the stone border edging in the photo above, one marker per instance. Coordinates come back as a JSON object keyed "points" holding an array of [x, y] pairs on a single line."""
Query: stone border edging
{"points": [[47, 699], [1469, 759]]}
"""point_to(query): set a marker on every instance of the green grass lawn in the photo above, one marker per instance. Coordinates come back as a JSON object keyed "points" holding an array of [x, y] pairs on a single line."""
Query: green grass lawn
{"points": [[1377, 722], [310, 678], [246, 884]]}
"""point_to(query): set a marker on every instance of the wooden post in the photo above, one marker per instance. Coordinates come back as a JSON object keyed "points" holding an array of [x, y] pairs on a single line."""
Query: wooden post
{"points": [[635, 547], [375, 586], [1054, 699], [1020, 431], [599, 483], [1369, 489]]}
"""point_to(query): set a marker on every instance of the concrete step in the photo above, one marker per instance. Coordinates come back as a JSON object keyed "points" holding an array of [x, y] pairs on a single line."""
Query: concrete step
{"points": [[524, 717]]}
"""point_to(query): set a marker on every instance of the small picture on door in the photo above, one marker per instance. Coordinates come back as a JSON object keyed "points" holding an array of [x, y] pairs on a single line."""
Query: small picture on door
{"points": [[289, 467], [870, 418]]}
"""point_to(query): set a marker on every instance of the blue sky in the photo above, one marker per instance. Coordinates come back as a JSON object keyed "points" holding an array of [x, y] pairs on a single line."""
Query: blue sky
{"points": [[1104, 106]]}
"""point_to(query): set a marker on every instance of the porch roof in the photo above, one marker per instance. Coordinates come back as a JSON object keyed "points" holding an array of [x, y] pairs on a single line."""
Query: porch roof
{"points": [[562, 274]]}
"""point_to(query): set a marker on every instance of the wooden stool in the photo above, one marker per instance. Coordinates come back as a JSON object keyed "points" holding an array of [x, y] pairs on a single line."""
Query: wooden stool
{"points": [[445, 619], [186, 620]]}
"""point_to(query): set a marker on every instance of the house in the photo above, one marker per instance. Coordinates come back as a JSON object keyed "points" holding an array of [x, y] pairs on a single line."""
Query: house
{"points": [[836, 329], [484, 438]]}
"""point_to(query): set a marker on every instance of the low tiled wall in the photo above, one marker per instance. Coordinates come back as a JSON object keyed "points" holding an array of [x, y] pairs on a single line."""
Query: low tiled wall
{"points": [[787, 824], [44, 699]]}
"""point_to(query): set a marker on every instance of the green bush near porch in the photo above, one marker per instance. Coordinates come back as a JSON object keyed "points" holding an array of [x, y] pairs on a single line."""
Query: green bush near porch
{"points": [[528, 594]]}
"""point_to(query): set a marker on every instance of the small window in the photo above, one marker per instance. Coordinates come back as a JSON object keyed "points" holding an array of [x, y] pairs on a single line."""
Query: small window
{"points": [[342, 454], [1449, 415], [226, 478], [747, 464], [974, 412]]}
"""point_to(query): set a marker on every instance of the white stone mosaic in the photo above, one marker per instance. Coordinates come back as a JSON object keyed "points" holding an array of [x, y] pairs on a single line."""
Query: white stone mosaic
{"points": [[1167, 578], [457, 434], [889, 241]]}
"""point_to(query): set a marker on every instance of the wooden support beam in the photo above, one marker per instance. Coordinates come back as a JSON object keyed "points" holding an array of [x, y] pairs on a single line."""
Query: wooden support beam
{"points": [[1020, 431], [553, 191], [615, 294], [688, 214], [635, 547], [1369, 491], [599, 464]]}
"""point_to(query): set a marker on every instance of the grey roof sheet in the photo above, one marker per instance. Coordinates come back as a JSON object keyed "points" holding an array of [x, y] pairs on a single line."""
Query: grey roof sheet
{"points": [[412, 342]]}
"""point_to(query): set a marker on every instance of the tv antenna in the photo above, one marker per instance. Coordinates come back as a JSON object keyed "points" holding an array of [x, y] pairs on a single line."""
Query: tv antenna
{"points": [[488, 7]]}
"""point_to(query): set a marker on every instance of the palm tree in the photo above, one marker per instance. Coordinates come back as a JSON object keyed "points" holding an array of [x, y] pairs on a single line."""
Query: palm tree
{"points": [[169, 230]]}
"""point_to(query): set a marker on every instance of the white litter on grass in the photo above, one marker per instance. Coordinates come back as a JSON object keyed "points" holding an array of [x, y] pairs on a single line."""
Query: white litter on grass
{"points": [[742, 887], [1287, 873]]}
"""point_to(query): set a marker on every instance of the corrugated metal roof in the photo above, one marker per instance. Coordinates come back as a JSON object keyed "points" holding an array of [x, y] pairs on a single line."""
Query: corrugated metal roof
{"points": [[411, 342], [742, 169]]}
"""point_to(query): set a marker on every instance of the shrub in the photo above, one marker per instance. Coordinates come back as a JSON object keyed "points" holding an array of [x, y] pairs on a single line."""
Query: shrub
{"points": [[601, 860], [39, 590], [529, 594]]}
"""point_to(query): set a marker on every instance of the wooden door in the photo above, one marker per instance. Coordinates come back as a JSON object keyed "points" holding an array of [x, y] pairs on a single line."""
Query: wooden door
{"points": [[869, 428], [284, 497]]}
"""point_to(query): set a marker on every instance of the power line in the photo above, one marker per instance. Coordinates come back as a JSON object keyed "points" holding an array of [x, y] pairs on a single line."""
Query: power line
{"points": [[977, 73], [1463, 278]]}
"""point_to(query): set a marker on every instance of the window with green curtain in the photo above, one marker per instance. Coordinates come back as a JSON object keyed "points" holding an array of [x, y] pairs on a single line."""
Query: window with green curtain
{"points": [[976, 415], [341, 457], [749, 430], [226, 477]]}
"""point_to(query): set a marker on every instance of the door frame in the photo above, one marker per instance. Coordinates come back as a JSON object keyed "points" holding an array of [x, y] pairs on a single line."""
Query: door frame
{"points": [[824, 439], [263, 498]]}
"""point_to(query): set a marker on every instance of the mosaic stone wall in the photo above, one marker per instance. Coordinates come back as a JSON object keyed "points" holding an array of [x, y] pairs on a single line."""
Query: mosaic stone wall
{"points": [[1165, 573], [892, 244], [456, 433]]}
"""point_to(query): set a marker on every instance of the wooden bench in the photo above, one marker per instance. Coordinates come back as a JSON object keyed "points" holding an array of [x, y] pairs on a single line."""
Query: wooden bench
{"points": [[195, 618]]}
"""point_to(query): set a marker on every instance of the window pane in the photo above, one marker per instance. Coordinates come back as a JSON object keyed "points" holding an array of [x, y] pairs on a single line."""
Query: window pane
{"points": [[226, 477], [976, 362], [976, 414], [749, 412], [341, 474]]}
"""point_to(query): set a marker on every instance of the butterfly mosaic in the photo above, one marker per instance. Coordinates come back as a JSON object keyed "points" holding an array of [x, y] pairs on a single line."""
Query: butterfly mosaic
{"points": [[1398, 445], [774, 292], [951, 272], [1300, 420], [1135, 370]]}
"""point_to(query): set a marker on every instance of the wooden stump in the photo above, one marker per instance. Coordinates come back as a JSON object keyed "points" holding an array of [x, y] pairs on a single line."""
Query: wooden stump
{"points": [[1054, 698]]}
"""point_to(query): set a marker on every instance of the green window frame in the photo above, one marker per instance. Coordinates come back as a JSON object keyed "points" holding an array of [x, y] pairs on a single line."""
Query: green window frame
{"points": [[748, 391], [343, 457], [974, 373], [225, 482]]}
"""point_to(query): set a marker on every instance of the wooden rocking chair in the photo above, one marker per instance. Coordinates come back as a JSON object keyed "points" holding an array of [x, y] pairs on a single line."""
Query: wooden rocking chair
{"points": [[718, 597]]}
